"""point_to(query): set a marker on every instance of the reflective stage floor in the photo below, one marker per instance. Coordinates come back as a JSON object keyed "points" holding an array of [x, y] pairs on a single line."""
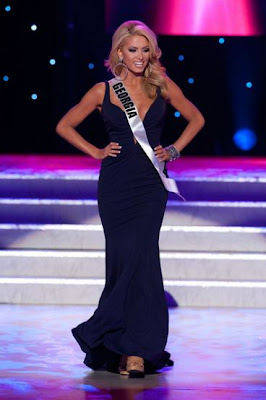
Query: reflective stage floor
{"points": [[218, 353]]}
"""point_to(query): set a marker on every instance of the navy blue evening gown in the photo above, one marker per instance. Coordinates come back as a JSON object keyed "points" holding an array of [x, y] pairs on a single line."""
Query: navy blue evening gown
{"points": [[132, 314]]}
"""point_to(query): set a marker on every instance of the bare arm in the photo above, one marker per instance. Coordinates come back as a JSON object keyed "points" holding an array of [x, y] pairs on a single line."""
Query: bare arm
{"points": [[194, 117], [66, 126]]}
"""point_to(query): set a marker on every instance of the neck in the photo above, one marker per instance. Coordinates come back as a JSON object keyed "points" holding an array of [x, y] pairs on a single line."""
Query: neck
{"points": [[134, 80]]}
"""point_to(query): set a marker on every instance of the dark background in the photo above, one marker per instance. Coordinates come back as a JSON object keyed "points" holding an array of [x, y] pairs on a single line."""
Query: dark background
{"points": [[73, 33]]}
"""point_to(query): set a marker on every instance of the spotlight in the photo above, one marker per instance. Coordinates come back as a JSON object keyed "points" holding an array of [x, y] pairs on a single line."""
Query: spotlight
{"points": [[190, 80], [34, 96], [5, 78], [52, 61], [249, 85], [7, 8], [181, 57], [245, 139], [221, 40], [91, 66], [33, 27], [177, 114]]}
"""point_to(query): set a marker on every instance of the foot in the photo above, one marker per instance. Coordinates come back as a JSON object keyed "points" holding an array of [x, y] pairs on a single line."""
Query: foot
{"points": [[135, 367], [123, 366]]}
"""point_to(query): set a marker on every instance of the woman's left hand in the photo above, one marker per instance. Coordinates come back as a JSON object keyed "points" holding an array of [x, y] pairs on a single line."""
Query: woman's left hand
{"points": [[161, 153]]}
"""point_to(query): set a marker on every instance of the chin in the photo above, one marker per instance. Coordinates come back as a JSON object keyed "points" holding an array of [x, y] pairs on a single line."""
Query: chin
{"points": [[139, 71]]}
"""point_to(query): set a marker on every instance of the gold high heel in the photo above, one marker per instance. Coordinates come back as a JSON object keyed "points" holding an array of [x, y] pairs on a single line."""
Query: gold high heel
{"points": [[135, 367], [123, 365]]}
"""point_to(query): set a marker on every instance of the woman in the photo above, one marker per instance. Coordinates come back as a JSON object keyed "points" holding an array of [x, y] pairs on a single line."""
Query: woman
{"points": [[128, 331]]}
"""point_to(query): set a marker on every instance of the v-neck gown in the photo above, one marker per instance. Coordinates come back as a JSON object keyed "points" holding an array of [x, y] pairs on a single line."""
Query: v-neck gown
{"points": [[132, 315]]}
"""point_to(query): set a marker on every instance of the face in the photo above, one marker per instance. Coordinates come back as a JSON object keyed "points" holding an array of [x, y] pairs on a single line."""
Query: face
{"points": [[135, 53]]}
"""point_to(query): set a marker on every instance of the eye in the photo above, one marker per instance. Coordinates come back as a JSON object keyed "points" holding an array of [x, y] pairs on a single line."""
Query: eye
{"points": [[146, 50], [132, 50]]}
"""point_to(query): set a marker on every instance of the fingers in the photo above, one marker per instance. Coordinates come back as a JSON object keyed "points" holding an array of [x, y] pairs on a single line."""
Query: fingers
{"points": [[161, 153], [159, 150], [114, 144], [113, 149]]}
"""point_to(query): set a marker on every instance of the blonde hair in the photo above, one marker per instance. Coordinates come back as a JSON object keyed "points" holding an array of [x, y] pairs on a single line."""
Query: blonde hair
{"points": [[154, 74]]}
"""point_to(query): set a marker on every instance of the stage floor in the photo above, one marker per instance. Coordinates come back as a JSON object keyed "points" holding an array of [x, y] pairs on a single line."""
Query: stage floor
{"points": [[218, 354]]}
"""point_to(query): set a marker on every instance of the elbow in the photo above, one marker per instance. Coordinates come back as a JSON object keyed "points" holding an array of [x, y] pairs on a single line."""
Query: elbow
{"points": [[200, 121], [59, 128]]}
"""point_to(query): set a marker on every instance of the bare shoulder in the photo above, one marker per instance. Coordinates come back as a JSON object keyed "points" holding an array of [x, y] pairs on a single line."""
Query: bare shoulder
{"points": [[177, 99], [99, 88], [91, 101], [173, 90], [95, 94]]}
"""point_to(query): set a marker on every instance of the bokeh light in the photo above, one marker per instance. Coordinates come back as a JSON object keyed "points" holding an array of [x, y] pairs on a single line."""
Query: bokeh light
{"points": [[245, 139]]}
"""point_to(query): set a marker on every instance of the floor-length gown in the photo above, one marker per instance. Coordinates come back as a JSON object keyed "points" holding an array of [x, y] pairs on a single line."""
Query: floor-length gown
{"points": [[132, 314]]}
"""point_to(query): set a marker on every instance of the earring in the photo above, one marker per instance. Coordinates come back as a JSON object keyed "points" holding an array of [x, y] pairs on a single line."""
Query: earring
{"points": [[121, 65]]}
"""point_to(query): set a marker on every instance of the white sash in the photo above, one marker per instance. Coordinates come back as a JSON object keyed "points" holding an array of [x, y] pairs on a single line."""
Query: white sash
{"points": [[139, 133]]}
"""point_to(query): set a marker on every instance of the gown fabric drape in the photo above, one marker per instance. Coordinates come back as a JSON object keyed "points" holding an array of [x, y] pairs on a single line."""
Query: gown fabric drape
{"points": [[132, 315]]}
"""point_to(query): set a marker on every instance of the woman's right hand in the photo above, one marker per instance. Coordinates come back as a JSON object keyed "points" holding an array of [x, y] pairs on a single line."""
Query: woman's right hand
{"points": [[112, 150]]}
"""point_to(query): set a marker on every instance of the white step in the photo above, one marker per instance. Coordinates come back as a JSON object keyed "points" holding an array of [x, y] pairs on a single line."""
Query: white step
{"points": [[230, 213], [172, 238], [213, 246], [91, 264], [226, 213], [60, 184], [87, 291]]}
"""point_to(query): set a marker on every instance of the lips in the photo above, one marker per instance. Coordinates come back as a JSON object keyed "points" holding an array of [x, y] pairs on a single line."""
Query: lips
{"points": [[139, 64]]}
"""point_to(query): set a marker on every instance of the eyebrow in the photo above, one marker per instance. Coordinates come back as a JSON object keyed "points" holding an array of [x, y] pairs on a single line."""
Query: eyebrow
{"points": [[134, 47]]}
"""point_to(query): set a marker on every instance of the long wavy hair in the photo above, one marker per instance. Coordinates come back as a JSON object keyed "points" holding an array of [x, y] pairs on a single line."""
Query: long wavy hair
{"points": [[154, 73]]}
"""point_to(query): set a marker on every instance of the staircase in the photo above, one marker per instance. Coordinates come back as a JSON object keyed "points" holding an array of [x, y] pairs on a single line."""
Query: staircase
{"points": [[213, 246]]}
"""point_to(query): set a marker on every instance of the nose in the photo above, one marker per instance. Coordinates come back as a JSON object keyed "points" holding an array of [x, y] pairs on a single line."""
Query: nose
{"points": [[140, 55]]}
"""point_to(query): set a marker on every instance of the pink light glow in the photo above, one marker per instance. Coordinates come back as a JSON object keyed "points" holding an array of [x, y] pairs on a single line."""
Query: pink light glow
{"points": [[205, 17]]}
